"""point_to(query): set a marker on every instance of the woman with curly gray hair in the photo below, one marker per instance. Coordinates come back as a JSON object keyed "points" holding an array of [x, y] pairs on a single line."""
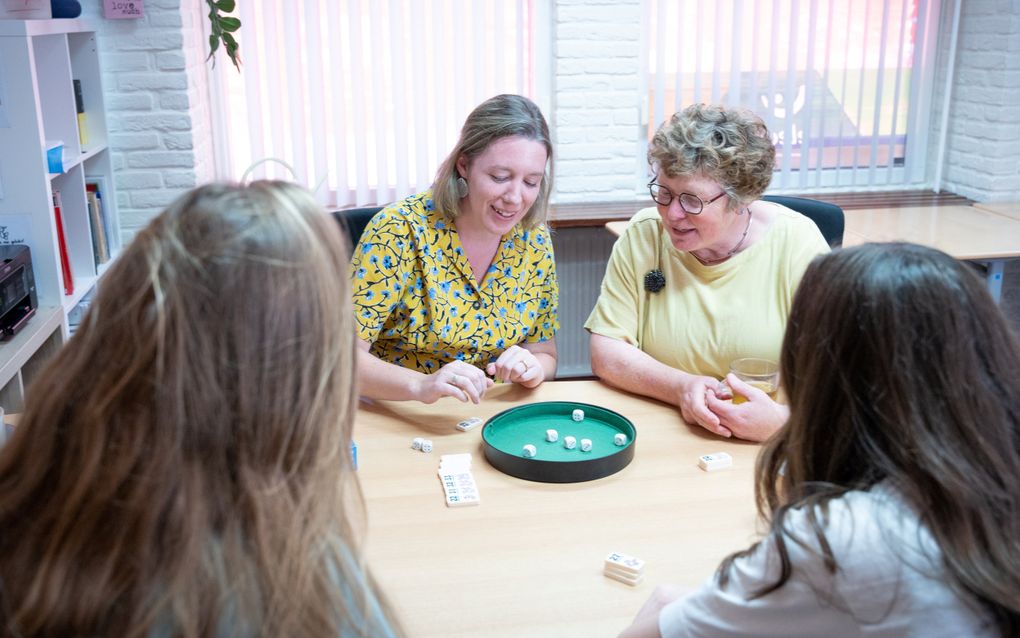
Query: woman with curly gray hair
{"points": [[706, 276]]}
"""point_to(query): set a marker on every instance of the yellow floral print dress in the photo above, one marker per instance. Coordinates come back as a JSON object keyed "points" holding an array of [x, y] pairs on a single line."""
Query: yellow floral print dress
{"points": [[416, 300]]}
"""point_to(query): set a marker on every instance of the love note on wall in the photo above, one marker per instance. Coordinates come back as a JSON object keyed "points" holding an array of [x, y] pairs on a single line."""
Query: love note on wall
{"points": [[118, 9]]}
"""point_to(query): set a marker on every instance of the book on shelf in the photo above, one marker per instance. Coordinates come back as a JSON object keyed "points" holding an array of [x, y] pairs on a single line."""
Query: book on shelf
{"points": [[97, 184], [79, 105], [65, 260], [100, 245]]}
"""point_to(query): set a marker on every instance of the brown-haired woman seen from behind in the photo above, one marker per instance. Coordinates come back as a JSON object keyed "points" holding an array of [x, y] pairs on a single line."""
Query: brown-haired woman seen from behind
{"points": [[705, 277], [182, 467], [893, 492]]}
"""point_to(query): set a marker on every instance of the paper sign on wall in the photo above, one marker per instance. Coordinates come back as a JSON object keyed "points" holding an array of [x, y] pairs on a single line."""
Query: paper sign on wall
{"points": [[15, 228], [118, 9]]}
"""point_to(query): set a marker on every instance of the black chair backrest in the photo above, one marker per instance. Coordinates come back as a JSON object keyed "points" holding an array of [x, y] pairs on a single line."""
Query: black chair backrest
{"points": [[354, 220], [828, 217]]}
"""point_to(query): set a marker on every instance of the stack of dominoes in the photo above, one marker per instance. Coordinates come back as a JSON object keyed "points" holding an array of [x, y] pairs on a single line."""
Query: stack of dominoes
{"points": [[625, 569], [458, 483]]}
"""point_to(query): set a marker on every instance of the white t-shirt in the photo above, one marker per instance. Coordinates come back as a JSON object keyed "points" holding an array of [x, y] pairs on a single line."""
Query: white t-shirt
{"points": [[888, 582]]}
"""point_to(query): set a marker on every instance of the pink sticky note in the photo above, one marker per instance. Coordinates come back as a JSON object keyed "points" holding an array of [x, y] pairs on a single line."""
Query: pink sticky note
{"points": [[118, 9]]}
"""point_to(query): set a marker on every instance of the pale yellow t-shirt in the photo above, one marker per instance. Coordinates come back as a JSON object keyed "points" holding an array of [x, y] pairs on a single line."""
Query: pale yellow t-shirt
{"points": [[705, 316]]}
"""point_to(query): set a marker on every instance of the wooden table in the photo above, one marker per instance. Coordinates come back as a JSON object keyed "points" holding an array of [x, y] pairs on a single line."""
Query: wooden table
{"points": [[616, 228], [528, 560], [1009, 209], [965, 232]]}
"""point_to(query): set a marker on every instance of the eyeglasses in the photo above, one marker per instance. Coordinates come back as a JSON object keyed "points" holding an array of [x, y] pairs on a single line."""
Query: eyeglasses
{"points": [[692, 204]]}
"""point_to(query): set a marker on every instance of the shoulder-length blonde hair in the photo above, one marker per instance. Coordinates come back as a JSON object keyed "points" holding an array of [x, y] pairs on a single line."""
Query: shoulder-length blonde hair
{"points": [[498, 117], [183, 464]]}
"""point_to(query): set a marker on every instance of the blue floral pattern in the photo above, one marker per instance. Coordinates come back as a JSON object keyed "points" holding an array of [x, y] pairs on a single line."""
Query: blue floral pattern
{"points": [[416, 297]]}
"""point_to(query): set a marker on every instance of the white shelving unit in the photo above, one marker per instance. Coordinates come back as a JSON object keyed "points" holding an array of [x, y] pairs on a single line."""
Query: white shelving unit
{"points": [[38, 61]]}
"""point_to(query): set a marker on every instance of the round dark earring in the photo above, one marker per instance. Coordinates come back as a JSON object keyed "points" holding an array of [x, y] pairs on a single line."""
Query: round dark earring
{"points": [[654, 280], [462, 187]]}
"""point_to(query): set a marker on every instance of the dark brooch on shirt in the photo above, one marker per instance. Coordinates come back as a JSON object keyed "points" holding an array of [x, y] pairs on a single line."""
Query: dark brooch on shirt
{"points": [[654, 280]]}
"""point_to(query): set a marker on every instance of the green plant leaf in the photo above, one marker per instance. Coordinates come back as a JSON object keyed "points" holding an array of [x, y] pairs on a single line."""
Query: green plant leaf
{"points": [[220, 28]]}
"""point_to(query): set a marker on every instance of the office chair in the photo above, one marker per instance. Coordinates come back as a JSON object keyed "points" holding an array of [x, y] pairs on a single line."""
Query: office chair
{"points": [[354, 221], [828, 217]]}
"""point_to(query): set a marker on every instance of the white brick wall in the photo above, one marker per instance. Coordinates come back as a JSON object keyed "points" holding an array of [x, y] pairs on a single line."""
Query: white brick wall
{"points": [[157, 105], [983, 144], [596, 99], [155, 81]]}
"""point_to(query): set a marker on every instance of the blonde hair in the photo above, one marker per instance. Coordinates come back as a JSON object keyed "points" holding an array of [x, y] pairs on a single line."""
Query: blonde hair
{"points": [[730, 146], [498, 117], [183, 463]]}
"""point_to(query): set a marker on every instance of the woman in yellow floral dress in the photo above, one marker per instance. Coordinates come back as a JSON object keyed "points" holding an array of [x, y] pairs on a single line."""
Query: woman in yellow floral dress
{"points": [[456, 287]]}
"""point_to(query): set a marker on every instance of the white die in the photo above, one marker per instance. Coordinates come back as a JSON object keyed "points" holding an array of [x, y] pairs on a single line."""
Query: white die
{"points": [[586, 445], [426, 445]]}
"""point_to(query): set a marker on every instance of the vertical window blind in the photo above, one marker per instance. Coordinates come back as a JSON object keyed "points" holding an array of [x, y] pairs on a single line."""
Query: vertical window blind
{"points": [[844, 86], [361, 99]]}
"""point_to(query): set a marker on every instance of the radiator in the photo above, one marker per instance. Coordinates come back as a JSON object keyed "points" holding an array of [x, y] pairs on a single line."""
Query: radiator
{"points": [[581, 256]]}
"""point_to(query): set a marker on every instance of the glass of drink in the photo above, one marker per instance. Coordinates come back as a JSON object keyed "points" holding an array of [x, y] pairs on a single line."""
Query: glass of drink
{"points": [[759, 373]]}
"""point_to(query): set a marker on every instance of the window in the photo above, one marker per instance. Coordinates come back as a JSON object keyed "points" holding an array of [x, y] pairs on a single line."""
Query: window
{"points": [[364, 98], [843, 86]]}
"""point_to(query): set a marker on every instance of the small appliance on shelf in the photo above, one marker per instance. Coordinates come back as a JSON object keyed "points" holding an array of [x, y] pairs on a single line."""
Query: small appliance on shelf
{"points": [[18, 300]]}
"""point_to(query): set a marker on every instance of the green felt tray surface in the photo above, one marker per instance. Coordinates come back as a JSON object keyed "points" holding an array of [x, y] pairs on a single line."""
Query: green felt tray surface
{"points": [[506, 434]]}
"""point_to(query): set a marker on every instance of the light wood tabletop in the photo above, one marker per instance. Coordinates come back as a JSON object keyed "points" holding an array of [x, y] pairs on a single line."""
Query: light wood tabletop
{"points": [[965, 232], [528, 560], [616, 228], [1009, 209]]}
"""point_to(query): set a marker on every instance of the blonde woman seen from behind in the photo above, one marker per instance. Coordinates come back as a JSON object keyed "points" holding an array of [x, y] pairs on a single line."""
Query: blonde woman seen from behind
{"points": [[182, 467]]}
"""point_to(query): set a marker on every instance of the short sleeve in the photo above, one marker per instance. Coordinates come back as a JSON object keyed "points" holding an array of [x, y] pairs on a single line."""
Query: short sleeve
{"points": [[617, 310], [381, 264]]}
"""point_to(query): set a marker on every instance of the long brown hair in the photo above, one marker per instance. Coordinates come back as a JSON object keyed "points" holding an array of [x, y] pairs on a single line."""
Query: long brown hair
{"points": [[900, 368], [182, 466]]}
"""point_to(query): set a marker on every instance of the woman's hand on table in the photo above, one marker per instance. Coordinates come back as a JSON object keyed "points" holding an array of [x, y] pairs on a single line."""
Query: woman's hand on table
{"points": [[755, 419], [693, 407], [456, 379], [517, 365]]}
